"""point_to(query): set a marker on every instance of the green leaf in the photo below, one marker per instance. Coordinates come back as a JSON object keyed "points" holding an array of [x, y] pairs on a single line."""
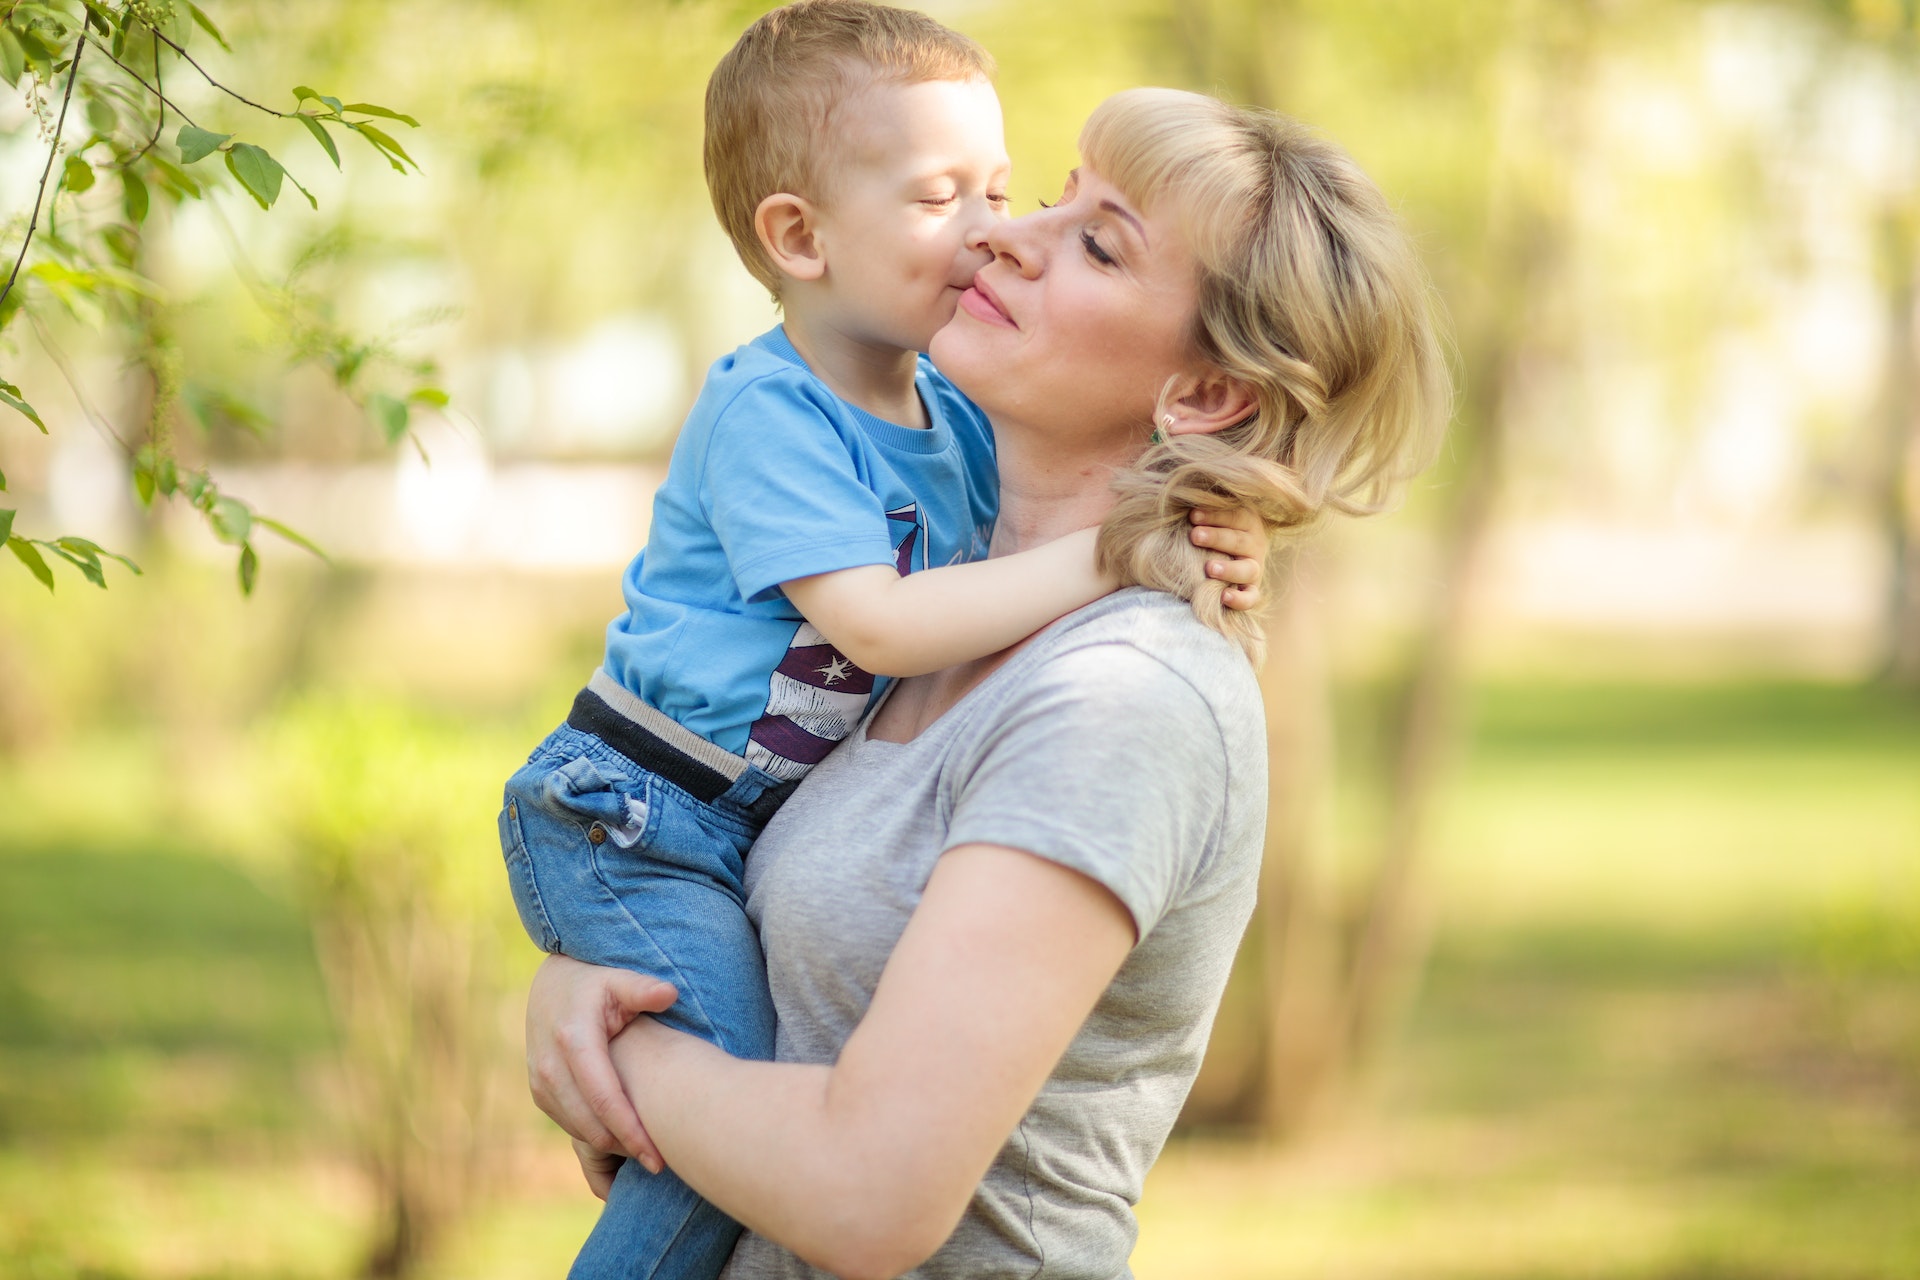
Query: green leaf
{"points": [[100, 115], [297, 539], [389, 415], [303, 94], [206, 24], [311, 202], [249, 569], [180, 184], [143, 484], [76, 175], [134, 199], [82, 546], [368, 109], [10, 396], [13, 58], [6, 524], [258, 172], [198, 144], [27, 556], [232, 520], [384, 144], [85, 561], [320, 136], [3, 482], [431, 396]]}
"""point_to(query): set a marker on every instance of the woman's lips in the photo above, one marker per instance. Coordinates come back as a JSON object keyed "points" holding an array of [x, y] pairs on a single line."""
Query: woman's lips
{"points": [[981, 307]]}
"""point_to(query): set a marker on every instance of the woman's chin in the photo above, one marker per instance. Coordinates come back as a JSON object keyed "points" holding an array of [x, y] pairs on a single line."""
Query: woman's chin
{"points": [[956, 349]]}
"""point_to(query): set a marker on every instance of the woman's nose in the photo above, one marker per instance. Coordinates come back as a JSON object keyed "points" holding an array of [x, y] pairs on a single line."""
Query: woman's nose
{"points": [[1015, 242]]}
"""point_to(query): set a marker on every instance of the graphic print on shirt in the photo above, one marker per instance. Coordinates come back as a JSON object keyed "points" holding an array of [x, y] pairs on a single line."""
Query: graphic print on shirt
{"points": [[816, 694]]}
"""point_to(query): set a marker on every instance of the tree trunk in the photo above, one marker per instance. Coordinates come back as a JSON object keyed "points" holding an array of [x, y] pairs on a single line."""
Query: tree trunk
{"points": [[1900, 451], [1300, 931]]}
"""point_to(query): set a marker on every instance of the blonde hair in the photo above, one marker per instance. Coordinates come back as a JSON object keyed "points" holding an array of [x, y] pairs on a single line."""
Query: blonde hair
{"points": [[771, 100], [1311, 294]]}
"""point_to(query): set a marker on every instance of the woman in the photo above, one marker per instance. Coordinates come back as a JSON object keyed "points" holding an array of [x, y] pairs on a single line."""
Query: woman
{"points": [[994, 996]]}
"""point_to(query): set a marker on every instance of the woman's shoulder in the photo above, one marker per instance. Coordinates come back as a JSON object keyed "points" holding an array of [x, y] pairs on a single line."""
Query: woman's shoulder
{"points": [[1145, 637]]}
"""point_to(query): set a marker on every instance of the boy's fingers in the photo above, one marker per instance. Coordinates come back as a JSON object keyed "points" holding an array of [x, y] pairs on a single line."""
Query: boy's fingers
{"points": [[1241, 543], [1242, 599], [1240, 572], [1227, 518]]}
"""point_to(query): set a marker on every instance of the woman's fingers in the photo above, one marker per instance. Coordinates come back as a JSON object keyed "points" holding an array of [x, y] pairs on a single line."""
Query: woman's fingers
{"points": [[599, 1167], [573, 1010]]}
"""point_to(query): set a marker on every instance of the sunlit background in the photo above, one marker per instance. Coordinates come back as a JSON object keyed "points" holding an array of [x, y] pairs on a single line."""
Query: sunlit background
{"points": [[1589, 942]]}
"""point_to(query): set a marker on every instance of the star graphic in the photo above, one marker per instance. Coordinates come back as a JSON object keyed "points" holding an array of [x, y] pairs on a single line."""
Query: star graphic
{"points": [[836, 669]]}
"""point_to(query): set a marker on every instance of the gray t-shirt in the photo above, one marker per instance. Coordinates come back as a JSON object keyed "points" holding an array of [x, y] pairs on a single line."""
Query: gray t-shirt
{"points": [[1125, 742]]}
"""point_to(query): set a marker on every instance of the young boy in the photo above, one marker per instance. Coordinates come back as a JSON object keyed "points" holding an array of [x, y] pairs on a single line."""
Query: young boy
{"points": [[855, 157]]}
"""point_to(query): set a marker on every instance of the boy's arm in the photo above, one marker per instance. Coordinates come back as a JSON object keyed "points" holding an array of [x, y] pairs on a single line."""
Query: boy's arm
{"points": [[907, 626]]}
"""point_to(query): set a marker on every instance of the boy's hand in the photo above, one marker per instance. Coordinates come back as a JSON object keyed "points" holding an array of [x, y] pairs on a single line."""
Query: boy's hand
{"points": [[1241, 535]]}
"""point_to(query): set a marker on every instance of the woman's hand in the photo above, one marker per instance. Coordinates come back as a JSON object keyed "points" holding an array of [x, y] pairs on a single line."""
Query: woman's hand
{"points": [[573, 1010], [1241, 535], [599, 1167]]}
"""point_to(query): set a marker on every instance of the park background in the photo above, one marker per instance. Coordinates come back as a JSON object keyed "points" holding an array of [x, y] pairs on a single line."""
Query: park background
{"points": [[1589, 942]]}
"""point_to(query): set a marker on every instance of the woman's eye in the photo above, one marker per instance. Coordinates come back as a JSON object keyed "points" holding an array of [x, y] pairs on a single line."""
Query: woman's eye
{"points": [[1094, 250], [937, 202], [997, 198]]}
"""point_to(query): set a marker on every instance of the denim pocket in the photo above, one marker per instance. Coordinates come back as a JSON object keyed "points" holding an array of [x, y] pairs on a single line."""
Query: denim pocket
{"points": [[610, 803], [521, 881]]}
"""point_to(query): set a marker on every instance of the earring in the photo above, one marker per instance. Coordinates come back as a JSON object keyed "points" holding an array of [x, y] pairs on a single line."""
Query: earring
{"points": [[1166, 420]]}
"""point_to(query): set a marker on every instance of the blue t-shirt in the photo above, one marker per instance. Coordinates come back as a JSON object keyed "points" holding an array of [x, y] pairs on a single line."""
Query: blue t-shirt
{"points": [[775, 478]]}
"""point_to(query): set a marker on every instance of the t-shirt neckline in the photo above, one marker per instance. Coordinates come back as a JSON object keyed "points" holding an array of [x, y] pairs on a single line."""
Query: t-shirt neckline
{"points": [[932, 438]]}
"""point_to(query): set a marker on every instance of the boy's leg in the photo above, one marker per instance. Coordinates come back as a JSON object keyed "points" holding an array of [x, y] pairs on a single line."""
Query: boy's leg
{"points": [[616, 869], [655, 1226]]}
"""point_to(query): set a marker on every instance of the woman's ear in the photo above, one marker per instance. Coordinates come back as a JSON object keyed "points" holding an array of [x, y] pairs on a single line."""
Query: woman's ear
{"points": [[788, 227], [1203, 403]]}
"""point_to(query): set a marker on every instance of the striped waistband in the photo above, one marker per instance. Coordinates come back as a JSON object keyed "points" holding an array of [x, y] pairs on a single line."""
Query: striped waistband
{"points": [[652, 738]]}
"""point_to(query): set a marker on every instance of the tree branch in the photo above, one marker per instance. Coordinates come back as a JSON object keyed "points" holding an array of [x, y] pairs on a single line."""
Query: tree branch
{"points": [[238, 97], [72, 378], [153, 89], [160, 124], [53, 149]]}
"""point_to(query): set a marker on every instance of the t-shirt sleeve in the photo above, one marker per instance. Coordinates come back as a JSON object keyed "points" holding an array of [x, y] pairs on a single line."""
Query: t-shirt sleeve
{"points": [[784, 494], [1108, 762]]}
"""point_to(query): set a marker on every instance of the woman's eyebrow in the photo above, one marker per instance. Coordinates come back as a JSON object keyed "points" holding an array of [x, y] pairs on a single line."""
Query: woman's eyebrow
{"points": [[1111, 207]]}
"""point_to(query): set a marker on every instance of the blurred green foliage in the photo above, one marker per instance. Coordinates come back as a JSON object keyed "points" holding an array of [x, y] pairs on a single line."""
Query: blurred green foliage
{"points": [[251, 916], [1717, 1087]]}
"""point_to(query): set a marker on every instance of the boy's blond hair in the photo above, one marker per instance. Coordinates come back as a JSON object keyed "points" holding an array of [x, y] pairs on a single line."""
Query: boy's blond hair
{"points": [[770, 102]]}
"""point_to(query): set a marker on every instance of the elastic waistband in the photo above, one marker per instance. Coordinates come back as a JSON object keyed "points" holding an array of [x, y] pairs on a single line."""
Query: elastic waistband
{"points": [[654, 740]]}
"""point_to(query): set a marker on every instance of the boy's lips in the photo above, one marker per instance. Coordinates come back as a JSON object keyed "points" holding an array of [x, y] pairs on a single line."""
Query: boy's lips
{"points": [[979, 302]]}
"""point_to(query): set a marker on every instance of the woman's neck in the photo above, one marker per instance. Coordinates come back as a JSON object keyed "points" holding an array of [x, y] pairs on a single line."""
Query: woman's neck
{"points": [[1047, 492]]}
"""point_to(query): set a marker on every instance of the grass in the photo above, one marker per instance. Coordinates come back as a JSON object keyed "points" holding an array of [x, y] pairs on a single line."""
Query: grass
{"points": [[1671, 1031]]}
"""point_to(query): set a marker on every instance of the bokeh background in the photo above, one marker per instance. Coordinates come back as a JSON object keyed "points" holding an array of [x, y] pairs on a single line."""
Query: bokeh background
{"points": [[1590, 938]]}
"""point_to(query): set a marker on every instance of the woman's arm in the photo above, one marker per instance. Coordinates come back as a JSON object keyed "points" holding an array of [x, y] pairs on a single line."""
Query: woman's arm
{"points": [[864, 1168]]}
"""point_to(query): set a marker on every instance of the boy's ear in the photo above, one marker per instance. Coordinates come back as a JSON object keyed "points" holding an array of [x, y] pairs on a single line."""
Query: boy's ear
{"points": [[788, 227], [1207, 401]]}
